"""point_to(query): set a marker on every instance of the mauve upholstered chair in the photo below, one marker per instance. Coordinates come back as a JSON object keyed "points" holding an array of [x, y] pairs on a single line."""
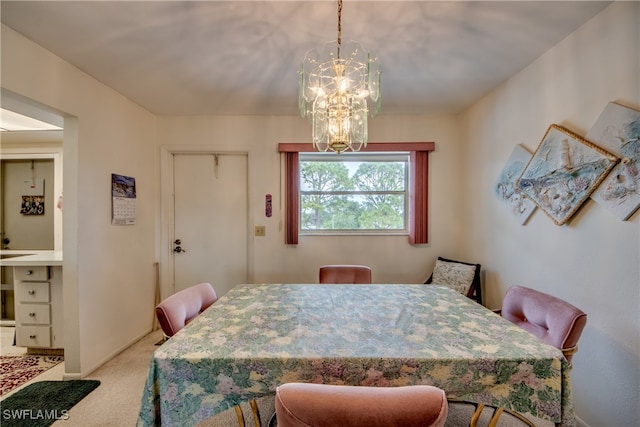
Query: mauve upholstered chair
{"points": [[180, 308], [345, 274], [323, 405], [554, 321]]}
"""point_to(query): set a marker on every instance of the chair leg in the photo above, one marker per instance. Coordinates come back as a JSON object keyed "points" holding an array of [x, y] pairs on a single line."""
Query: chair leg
{"points": [[239, 416], [496, 417], [476, 415]]}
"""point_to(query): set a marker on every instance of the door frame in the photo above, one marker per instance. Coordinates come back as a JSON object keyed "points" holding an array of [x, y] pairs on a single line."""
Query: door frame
{"points": [[167, 219]]}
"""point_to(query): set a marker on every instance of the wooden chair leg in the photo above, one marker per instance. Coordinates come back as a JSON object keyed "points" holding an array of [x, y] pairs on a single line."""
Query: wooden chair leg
{"points": [[476, 415]]}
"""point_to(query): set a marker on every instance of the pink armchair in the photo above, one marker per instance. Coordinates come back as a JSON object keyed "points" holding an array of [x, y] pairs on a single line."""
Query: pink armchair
{"points": [[551, 319], [180, 308], [323, 405], [345, 274]]}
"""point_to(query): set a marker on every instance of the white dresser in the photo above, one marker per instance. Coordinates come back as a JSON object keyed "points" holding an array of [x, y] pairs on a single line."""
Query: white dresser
{"points": [[38, 299]]}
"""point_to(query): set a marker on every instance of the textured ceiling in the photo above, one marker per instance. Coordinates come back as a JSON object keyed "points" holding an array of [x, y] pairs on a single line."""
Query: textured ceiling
{"points": [[242, 57]]}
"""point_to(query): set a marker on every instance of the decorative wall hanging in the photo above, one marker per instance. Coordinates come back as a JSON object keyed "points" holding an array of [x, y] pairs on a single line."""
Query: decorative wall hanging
{"points": [[32, 205], [618, 131], [32, 195], [507, 190], [563, 172], [123, 196]]}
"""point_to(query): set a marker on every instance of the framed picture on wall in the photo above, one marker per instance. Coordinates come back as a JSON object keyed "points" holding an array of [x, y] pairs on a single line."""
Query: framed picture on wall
{"points": [[506, 189], [618, 130], [563, 172]]}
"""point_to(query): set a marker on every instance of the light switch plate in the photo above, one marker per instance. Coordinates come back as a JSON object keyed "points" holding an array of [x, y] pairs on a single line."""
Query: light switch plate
{"points": [[261, 230]]}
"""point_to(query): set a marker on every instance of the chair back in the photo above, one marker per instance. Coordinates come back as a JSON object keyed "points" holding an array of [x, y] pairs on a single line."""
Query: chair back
{"points": [[180, 308], [345, 274], [463, 277], [551, 319], [323, 405]]}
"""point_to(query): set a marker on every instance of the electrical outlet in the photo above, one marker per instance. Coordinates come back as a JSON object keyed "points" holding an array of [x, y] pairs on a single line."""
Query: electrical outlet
{"points": [[261, 230]]}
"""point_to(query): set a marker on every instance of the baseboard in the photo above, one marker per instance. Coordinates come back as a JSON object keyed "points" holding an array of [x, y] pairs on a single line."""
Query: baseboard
{"points": [[45, 351], [580, 422], [89, 371], [69, 377]]}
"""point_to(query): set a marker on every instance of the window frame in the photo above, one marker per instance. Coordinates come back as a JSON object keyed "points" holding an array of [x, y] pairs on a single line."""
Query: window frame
{"points": [[387, 156], [418, 185]]}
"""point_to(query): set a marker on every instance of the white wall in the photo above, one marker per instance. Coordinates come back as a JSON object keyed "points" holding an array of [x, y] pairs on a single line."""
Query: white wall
{"points": [[108, 270], [593, 261]]}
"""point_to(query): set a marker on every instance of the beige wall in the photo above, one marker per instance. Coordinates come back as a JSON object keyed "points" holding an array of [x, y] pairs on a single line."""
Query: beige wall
{"points": [[593, 261], [108, 270]]}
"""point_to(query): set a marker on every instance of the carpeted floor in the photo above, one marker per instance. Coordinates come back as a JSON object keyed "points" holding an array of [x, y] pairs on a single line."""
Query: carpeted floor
{"points": [[116, 402], [17, 370]]}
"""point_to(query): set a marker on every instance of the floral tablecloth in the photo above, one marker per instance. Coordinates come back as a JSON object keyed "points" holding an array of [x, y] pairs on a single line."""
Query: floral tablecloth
{"points": [[260, 336]]}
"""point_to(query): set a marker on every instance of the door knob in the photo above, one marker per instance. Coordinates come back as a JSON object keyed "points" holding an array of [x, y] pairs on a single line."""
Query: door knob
{"points": [[178, 248]]}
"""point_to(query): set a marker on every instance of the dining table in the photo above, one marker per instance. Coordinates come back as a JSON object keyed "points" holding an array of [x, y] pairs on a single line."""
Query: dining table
{"points": [[259, 336]]}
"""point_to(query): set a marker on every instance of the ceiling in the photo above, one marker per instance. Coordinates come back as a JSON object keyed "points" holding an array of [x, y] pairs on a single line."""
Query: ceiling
{"points": [[242, 57]]}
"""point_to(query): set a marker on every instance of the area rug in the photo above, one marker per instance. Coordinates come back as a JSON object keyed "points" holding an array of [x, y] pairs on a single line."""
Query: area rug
{"points": [[17, 370], [42, 403]]}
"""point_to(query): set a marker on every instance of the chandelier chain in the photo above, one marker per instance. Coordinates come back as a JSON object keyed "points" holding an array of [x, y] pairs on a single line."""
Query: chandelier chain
{"points": [[339, 23]]}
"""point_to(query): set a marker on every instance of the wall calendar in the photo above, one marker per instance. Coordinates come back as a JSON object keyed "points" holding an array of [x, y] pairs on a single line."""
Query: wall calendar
{"points": [[123, 199]]}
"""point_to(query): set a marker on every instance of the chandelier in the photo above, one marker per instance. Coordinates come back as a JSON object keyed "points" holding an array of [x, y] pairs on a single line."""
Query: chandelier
{"points": [[339, 88]]}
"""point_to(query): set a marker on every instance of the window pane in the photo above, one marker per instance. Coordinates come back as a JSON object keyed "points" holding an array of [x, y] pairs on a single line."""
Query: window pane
{"points": [[352, 193]]}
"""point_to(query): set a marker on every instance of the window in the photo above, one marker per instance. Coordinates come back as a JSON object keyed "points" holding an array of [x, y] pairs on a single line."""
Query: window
{"points": [[416, 185], [353, 192]]}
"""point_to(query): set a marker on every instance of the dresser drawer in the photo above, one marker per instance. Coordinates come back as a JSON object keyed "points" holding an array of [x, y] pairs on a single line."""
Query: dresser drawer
{"points": [[39, 314], [32, 292], [31, 273], [33, 336]]}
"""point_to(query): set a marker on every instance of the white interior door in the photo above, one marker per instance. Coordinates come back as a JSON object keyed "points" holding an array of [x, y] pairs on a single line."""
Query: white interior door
{"points": [[210, 220]]}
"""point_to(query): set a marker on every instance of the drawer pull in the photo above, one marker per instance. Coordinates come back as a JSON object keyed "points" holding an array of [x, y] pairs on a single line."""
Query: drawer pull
{"points": [[29, 272], [33, 337], [32, 314], [31, 292]]}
